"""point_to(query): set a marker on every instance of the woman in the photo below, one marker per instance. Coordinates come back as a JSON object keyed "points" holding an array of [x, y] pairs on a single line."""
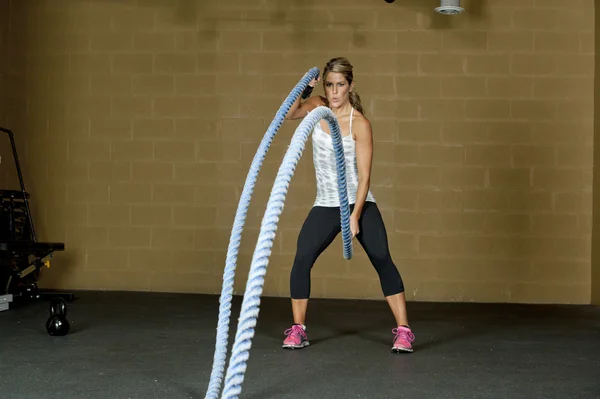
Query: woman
{"points": [[323, 222]]}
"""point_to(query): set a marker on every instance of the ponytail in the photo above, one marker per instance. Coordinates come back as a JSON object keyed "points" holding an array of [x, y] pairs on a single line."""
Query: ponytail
{"points": [[355, 101]]}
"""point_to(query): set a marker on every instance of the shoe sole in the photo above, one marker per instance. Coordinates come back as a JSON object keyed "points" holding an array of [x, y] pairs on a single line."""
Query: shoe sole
{"points": [[401, 350], [302, 345]]}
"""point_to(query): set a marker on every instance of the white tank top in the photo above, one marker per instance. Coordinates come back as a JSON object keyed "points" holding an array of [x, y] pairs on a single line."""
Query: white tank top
{"points": [[326, 169]]}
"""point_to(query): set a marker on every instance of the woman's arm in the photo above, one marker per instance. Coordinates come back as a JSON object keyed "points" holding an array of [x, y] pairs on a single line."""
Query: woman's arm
{"points": [[364, 159], [300, 108]]}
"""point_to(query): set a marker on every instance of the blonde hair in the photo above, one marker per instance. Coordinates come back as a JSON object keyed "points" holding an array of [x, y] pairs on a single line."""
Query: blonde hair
{"points": [[343, 66]]}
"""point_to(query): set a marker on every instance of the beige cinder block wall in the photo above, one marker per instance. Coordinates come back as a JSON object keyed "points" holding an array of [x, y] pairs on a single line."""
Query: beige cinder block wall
{"points": [[142, 120], [4, 43], [595, 265], [4, 142], [8, 174]]}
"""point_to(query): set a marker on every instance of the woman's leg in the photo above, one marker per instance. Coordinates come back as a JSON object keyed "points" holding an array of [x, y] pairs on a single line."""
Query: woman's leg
{"points": [[373, 238], [319, 230], [397, 303]]}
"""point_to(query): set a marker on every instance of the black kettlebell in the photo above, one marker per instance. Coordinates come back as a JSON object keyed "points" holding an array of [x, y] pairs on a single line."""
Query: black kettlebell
{"points": [[57, 324]]}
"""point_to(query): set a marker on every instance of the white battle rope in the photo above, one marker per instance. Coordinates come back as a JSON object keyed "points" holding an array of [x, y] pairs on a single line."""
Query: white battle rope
{"points": [[254, 286]]}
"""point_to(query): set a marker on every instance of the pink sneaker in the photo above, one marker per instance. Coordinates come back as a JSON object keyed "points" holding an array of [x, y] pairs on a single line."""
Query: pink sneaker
{"points": [[403, 340], [296, 338]]}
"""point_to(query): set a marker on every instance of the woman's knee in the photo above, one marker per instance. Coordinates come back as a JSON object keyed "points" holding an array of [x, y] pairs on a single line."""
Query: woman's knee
{"points": [[303, 261], [300, 279], [392, 283], [381, 259], [389, 276]]}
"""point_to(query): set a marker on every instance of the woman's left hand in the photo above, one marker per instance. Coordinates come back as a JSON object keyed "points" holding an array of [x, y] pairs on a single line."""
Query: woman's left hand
{"points": [[354, 225]]}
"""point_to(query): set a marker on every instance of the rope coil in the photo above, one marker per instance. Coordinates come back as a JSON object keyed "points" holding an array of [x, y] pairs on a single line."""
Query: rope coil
{"points": [[254, 285]]}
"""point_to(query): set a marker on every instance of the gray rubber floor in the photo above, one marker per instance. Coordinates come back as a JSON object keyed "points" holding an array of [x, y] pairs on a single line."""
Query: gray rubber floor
{"points": [[140, 345]]}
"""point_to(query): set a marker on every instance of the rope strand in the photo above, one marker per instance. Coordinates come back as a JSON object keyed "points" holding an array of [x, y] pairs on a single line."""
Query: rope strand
{"points": [[254, 286]]}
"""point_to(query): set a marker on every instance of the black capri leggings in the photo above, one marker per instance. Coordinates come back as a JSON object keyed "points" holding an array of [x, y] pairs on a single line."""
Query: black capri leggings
{"points": [[319, 230]]}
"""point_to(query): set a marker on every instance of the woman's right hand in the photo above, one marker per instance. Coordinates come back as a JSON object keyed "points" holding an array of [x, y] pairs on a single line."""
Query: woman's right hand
{"points": [[300, 108]]}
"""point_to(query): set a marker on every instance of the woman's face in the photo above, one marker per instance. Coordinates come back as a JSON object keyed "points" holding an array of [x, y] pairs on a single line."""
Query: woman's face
{"points": [[337, 89]]}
